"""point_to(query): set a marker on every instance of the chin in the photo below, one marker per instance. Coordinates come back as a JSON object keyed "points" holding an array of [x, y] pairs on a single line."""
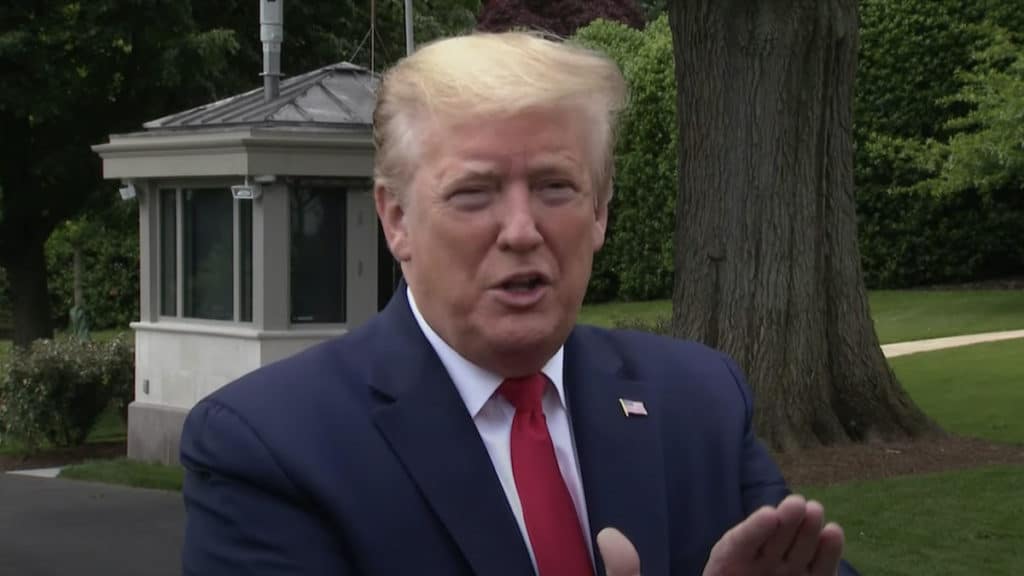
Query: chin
{"points": [[526, 337]]}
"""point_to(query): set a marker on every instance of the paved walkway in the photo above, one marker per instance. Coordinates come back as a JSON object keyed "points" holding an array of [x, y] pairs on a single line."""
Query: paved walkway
{"points": [[904, 348], [65, 527]]}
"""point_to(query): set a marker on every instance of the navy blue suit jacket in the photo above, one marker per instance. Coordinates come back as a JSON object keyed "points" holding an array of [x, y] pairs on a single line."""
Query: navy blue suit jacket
{"points": [[358, 457]]}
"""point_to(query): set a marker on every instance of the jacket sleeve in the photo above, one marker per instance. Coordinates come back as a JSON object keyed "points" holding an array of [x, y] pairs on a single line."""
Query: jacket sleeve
{"points": [[243, 514], [762, 482]]}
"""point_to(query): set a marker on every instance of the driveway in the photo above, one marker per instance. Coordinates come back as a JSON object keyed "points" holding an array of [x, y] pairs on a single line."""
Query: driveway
{"points": [[53, 527]]}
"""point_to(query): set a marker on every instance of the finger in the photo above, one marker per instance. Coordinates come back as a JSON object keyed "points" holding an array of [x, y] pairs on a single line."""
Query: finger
{"points": [[618, 553], [791, 515], [745, 540], [805, 544], [829, 552]]}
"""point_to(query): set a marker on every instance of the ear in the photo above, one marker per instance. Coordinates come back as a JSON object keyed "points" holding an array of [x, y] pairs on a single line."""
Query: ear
{"points": [[600, 223], [392, 219]]}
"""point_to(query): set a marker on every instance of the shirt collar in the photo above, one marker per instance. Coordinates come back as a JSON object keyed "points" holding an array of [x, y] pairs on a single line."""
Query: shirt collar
{"points": [[476, 385]]}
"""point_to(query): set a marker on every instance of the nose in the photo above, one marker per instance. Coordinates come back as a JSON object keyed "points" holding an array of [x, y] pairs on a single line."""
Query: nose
{"points": [[519, 232]]}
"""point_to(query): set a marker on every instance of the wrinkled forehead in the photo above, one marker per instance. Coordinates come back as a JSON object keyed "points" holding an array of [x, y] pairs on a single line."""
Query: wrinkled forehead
{"points": [[497, 147]]}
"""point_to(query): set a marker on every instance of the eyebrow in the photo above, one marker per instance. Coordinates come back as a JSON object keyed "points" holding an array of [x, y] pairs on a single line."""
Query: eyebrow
{"points": [[554, 164], [560, 165], [474, 171]]}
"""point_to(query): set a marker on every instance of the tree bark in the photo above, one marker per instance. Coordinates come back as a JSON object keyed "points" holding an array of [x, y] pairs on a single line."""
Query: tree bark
{"points": [[766, 258], [29, 294]]}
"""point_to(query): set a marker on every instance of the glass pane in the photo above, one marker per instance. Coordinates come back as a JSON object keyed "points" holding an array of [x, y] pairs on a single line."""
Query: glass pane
{"points": [[209, 253], [168, 253], [318, 255], [245, 253]]}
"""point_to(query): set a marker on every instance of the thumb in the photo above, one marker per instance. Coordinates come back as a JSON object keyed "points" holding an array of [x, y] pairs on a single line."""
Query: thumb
{"points": [[617, 552]]}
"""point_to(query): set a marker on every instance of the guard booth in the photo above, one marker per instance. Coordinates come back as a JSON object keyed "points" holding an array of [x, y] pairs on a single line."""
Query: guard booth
{"points": [[258, 238]]}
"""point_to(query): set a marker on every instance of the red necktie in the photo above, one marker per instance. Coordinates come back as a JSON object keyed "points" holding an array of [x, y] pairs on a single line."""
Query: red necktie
{"points": [[550, 516]]}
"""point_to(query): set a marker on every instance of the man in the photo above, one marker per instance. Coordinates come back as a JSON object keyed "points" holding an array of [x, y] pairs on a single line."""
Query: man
{"points": [[472, 428]]}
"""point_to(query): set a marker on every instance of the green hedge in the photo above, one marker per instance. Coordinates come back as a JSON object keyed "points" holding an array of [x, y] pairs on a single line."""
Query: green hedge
{"points": [[55, 391], [940, 171], [914, 238], [636, 261]]}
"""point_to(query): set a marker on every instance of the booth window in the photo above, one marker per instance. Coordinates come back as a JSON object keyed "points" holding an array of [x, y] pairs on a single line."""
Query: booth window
{"points": [[203, 275], [244, 229], [317, 255]]}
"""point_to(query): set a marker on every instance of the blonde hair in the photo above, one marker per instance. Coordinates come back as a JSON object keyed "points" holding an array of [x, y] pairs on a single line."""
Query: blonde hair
{"points": [[494, 74]]}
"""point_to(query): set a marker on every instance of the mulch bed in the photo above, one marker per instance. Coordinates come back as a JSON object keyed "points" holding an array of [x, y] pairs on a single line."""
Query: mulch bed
{"points": [[63, 456], [842, 464]]}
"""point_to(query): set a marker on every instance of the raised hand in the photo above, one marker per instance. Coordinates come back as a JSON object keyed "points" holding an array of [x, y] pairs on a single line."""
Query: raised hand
{"points": [[790, 540]]}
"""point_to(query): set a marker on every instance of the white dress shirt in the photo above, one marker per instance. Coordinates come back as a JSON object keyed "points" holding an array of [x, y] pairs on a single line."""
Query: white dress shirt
{"points": [[493, 415]]}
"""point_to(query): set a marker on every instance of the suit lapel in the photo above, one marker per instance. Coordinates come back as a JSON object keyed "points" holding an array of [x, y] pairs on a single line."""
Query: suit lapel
{"points": [[620, 457], [427, 426]]}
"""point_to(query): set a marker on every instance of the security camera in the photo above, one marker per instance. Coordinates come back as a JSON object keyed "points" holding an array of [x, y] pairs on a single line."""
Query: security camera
{"points": [[127, 191], [245, 192]]}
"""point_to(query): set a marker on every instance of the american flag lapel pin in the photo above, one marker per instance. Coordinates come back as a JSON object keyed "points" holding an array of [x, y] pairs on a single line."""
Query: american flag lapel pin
{"points": [[632, 407]]}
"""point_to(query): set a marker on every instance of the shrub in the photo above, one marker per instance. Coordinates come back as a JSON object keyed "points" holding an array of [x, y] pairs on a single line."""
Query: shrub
{"points": [[910, 51], [55, 391], [914, 238], [118, 360], [986, 150], [636, 262], [950, 208], [109, 244]]}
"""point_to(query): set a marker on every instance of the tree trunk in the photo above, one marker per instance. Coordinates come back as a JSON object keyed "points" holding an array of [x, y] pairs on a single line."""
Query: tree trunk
{"points": [[30, 298], [766, 258]]}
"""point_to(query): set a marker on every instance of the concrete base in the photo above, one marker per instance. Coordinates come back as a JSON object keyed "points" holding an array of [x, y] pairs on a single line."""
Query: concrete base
{"points": [[154, 432]]}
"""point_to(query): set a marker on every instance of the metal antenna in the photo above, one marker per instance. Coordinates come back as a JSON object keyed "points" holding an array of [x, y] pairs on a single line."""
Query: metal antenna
{"points": [[409, 44], [373, 33]]}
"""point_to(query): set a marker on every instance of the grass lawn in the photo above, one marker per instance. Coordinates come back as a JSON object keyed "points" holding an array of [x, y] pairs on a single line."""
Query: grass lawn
{"points": [[973, 391], [900, 315], [915, 315], [955, 524], [959, 523], [139, 474], [607, 315]]}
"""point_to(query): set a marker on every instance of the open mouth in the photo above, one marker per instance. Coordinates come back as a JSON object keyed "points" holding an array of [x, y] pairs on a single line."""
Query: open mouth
{"points": [[523, 284]]}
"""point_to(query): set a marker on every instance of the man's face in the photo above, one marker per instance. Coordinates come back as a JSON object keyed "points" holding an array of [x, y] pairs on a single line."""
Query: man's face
{"points": [[497, 233]]}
